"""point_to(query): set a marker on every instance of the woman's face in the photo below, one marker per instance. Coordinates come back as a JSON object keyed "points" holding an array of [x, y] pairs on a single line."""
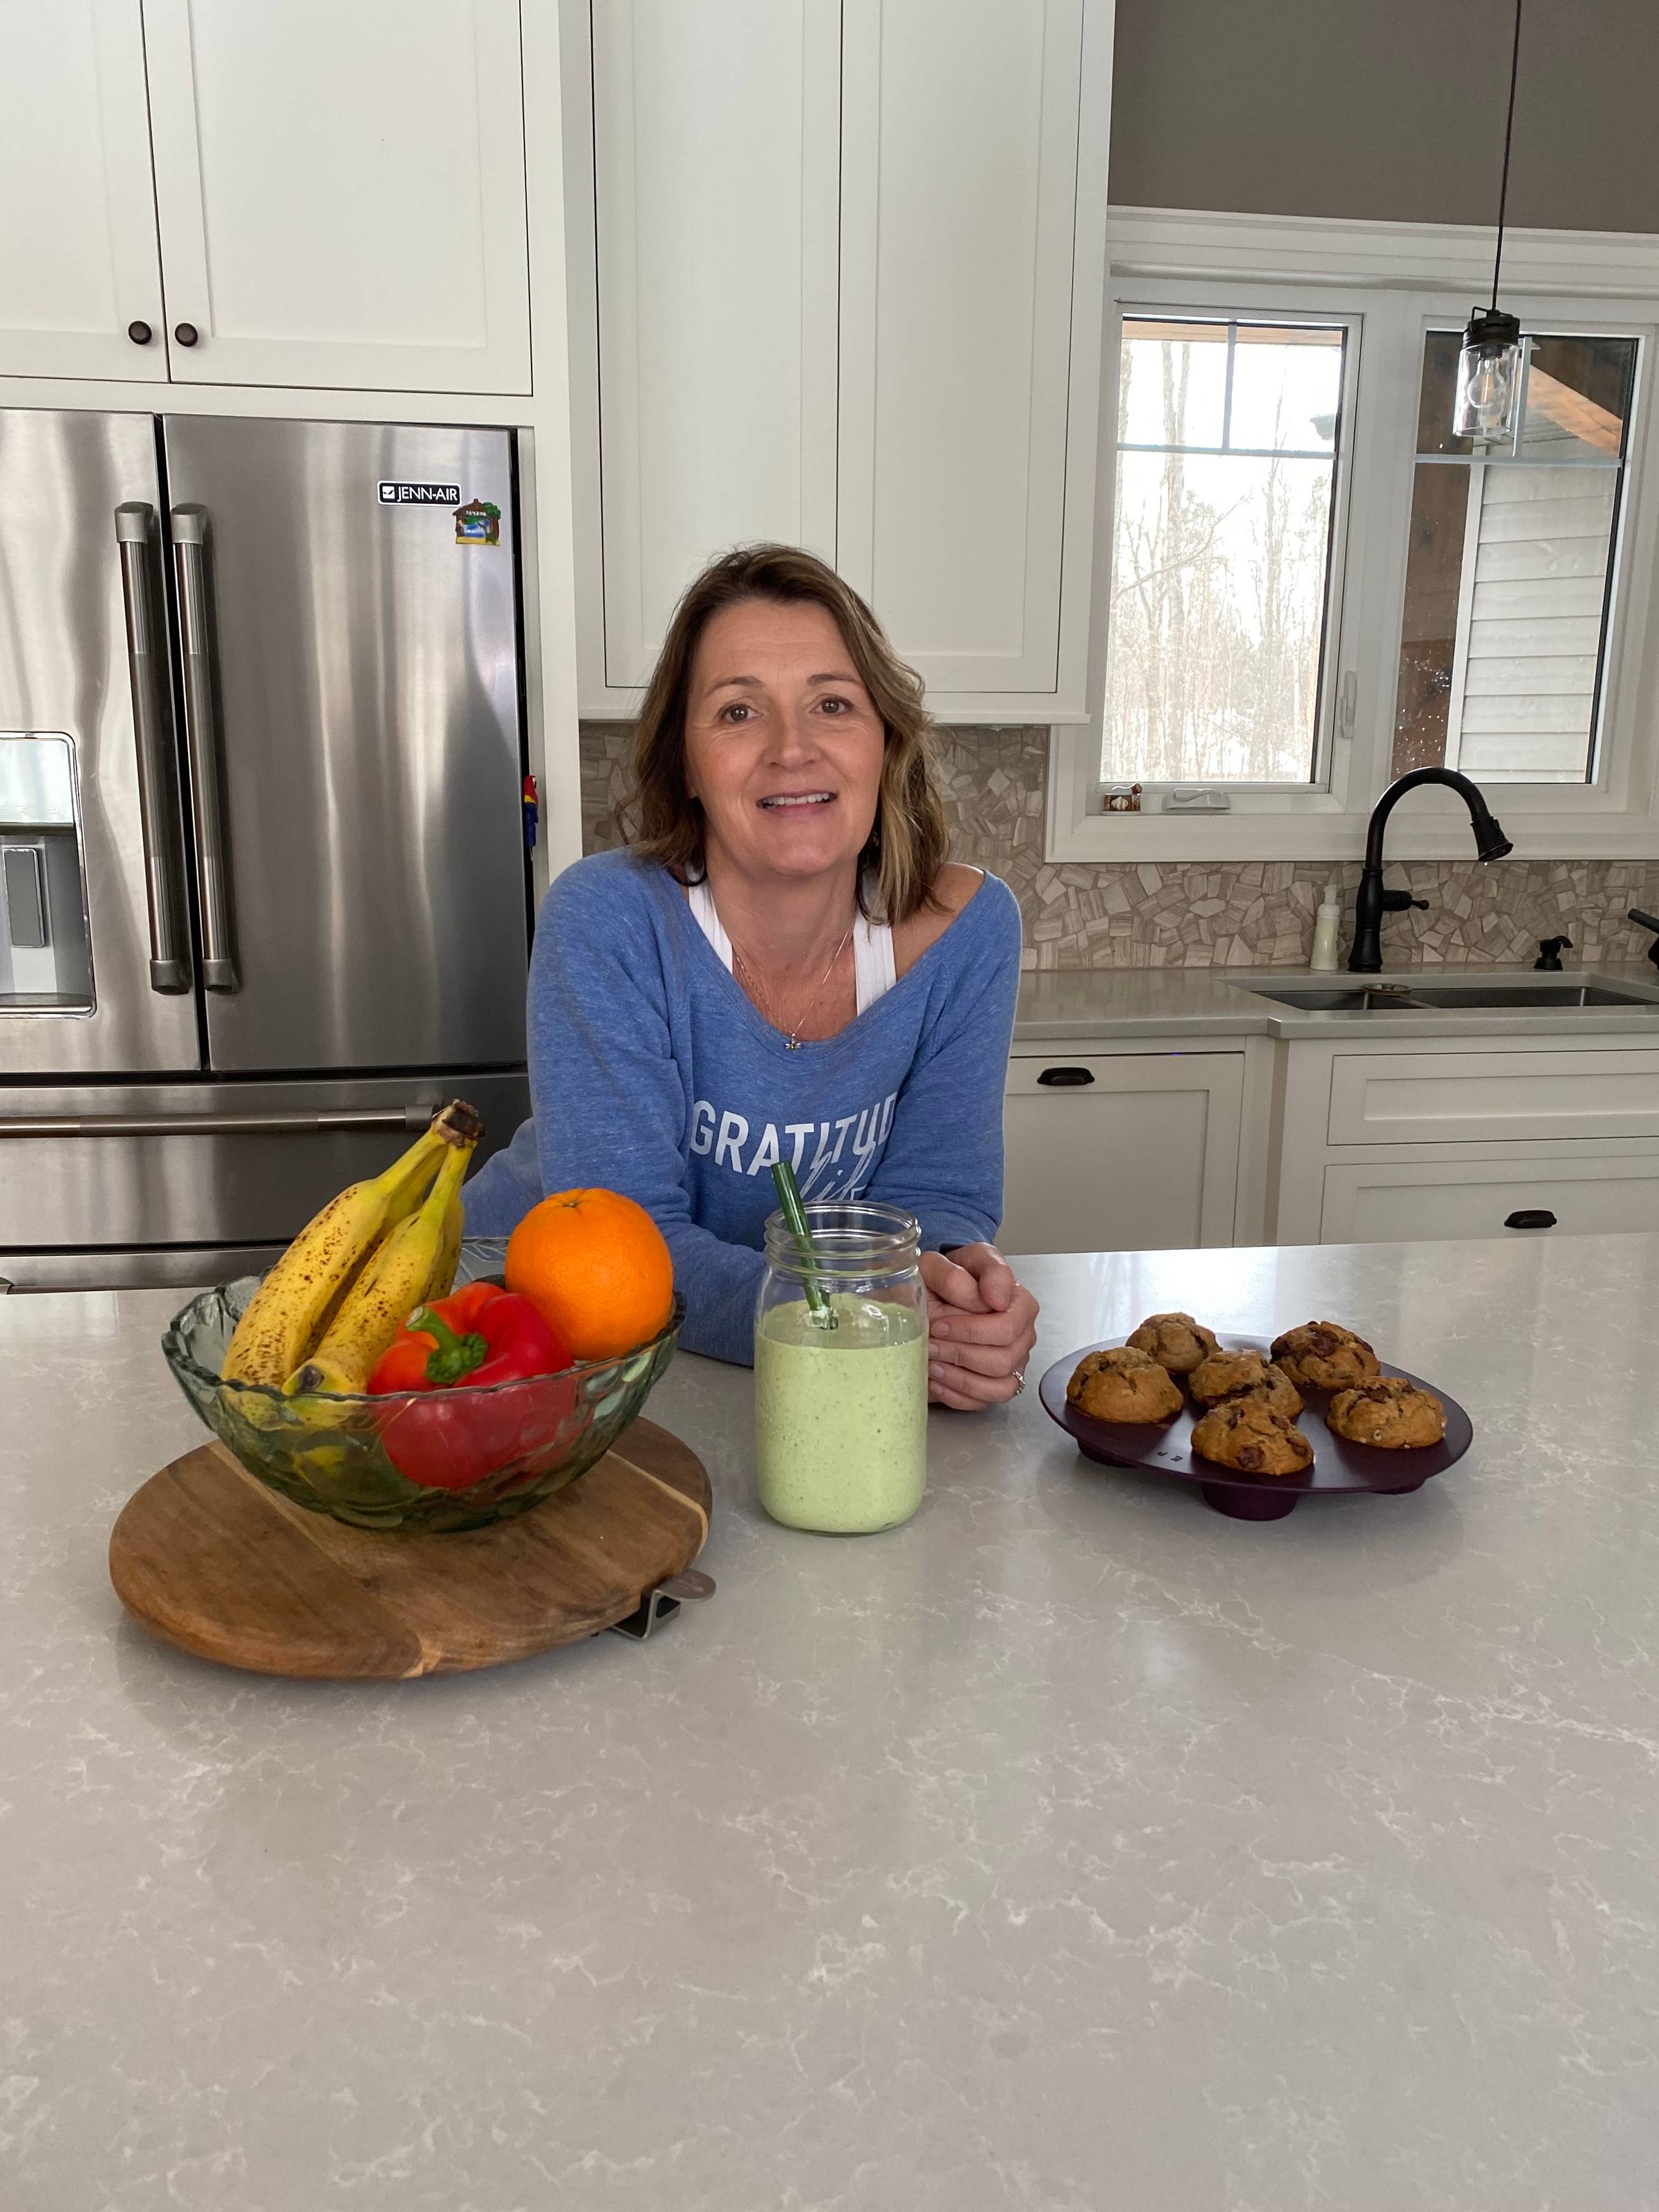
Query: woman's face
{"points": [[783, 743]]}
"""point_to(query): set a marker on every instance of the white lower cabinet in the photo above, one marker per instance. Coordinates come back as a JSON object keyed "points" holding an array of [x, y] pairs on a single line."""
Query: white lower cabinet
{"points": [[1115, 1148], [1582, 1188], [1418, 1097], [1121, 1152], [1478, 1137]]}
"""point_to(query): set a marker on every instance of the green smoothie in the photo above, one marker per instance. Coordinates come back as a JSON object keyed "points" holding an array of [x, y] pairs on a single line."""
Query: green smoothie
{"points": [[840, 1415]]}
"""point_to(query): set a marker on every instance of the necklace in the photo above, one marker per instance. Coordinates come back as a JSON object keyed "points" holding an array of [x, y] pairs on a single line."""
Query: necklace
{"points": [[791, 1037]]}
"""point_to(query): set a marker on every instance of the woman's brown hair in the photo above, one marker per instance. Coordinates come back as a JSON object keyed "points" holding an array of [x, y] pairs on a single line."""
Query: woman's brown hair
{"points": [[659, 817]]}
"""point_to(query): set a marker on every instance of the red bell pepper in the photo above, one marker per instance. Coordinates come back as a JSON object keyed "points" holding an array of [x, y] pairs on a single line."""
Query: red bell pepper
{"points": [[480, 1336]]}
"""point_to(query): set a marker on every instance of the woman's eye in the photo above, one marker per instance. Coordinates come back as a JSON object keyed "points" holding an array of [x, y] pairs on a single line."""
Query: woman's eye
{"points": [[834, 706], [737, 711]]}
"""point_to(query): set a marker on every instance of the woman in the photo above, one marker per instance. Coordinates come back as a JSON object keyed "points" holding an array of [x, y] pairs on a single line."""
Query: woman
{"points": [[782, 963]]}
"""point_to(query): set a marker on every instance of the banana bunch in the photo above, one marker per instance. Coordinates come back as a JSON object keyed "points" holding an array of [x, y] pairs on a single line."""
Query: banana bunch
{"points": [[333, 1302]]}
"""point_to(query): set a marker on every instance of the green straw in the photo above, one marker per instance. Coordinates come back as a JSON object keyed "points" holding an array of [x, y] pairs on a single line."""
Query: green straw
{"points": [[795, 1214]]}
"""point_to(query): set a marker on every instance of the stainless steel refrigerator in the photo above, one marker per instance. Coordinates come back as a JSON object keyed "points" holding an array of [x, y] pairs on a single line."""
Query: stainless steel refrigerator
{"points": [[264, 895]]}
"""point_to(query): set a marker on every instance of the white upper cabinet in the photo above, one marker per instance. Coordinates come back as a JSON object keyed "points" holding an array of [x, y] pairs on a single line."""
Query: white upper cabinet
{"points": [[78, 263], [342, 192], [715, 177], [960, 148], [839, 282]]}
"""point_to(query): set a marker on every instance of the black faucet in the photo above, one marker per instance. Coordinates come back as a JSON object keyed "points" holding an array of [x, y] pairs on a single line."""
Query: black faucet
{"points": [[1373, 902], [1645, 920]]}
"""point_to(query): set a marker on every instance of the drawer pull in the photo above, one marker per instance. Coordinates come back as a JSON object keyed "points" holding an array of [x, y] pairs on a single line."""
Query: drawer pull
{"points": [[1066, 1078], [1530, 1216]]}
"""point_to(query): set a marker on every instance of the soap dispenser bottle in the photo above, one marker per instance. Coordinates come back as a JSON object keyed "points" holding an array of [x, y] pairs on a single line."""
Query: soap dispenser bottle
{"points": [[1327, 922]]}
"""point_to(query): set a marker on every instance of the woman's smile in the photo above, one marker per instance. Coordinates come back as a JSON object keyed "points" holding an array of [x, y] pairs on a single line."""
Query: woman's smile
{"points": [[777, 800]]}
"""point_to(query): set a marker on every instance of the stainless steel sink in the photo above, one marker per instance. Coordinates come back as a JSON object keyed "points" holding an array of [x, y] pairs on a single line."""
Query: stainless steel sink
{"points": [[1310, 1001], [1432, 998], [1528, 995]]}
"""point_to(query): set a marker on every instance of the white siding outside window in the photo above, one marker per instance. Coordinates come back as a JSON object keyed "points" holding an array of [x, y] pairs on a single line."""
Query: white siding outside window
{"points": [[1529, 624]]}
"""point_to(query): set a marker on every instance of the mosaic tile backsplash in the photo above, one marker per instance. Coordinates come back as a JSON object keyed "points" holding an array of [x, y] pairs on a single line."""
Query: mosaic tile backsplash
{"points": [[1230, 914]]}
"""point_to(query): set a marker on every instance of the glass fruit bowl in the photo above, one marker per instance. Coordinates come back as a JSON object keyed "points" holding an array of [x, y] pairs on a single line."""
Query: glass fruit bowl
{"points": [[337, 1455]]}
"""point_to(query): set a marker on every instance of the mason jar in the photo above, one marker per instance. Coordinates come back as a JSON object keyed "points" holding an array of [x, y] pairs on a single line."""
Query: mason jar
{"points": [[840, 1370]]}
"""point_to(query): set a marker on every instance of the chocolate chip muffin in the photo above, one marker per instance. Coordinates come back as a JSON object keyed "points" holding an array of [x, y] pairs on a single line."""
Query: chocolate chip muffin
{"points": [[1390, 1414], [1322, 1355], [1123, 1385], [1175, 1340], [1227, 1375], [1247, 1435]]}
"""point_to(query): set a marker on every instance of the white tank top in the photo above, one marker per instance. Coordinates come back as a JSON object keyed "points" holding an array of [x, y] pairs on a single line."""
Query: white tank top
{"points": [[873, 946]]}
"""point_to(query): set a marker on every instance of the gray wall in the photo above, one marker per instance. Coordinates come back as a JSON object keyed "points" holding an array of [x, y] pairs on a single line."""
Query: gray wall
{"points": [[1389, 108]]}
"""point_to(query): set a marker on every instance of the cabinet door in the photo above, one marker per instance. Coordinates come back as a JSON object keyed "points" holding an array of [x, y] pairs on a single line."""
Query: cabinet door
{"points": [[341, 186], [1586, 1189], [1129, 1154], [78, 261], [960, 142], [716, 172]]}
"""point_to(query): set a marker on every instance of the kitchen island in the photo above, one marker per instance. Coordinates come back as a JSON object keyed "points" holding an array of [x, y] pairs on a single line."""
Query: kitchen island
{"points": [[1071, 1847]]}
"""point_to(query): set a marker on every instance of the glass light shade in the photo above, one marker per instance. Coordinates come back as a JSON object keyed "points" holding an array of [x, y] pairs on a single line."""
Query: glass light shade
{"points": [[1488, 377]]}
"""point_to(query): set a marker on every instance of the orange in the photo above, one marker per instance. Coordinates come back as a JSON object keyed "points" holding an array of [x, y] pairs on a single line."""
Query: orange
{"points": [[595, 1266]]}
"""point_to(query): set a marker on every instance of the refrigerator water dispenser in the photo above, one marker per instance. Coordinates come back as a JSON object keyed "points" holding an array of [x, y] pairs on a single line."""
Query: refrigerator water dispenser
{"points": [[46, 959]]}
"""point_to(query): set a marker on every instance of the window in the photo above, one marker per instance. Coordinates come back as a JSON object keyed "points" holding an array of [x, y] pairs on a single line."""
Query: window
{"points": [[1510, 569], [1305, 585], [1224, 527]]}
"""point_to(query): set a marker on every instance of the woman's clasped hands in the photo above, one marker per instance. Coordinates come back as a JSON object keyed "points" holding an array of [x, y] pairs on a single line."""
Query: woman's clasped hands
{"points": [[981, 1328]]}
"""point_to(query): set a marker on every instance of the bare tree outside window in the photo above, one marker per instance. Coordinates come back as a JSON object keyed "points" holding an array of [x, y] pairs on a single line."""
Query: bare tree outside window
{"points": [[1225, 470]]}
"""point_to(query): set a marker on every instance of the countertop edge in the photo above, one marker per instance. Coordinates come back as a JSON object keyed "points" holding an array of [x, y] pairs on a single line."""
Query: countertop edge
{"points": [[1221, 1008]]}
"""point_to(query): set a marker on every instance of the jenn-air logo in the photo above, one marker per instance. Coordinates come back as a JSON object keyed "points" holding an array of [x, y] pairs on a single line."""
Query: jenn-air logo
{"points": [[420, 495]]}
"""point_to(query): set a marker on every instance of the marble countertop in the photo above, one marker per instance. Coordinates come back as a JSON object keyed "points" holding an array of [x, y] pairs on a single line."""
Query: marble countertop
{"points": [[1072, 1846], [1075, 1006]]}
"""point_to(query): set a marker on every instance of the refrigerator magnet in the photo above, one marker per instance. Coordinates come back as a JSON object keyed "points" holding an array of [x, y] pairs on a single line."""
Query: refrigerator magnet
{"points": [[479, 523]]}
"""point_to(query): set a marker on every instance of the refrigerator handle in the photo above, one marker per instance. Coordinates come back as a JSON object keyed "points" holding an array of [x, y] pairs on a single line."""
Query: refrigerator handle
{"points": [[202, 742], [158, 812], [413, 1118]]}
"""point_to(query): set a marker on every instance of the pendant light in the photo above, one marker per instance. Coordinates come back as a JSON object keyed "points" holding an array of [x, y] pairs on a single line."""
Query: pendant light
{"points": [[1489, 366]]}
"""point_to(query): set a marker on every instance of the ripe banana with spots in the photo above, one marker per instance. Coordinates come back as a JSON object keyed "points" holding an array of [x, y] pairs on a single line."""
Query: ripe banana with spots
{"points": [[310, 1282], [400, 1276], [449, 1257]]}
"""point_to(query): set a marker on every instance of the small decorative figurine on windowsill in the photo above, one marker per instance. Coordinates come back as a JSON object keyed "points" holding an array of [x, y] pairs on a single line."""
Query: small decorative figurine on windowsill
{"points": [[1122, 798]]}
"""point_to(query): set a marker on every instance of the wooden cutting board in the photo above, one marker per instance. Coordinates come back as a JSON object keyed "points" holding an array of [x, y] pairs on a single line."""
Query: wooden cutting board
{"points": [[207, 1559]]}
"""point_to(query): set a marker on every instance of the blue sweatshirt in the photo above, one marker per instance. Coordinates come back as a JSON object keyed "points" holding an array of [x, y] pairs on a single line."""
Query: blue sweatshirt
{"points": [[651, 1072]]}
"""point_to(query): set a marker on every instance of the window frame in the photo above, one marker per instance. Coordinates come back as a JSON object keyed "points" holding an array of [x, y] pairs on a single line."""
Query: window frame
{"points": [[1617, 814], [1609, 791], [1328, 770]]}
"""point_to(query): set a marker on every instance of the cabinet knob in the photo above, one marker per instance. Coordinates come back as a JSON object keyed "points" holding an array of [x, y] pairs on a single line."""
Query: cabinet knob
{"points": [[1530, 1216], [187, 333], [140, 333], [1066, 1078]]}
